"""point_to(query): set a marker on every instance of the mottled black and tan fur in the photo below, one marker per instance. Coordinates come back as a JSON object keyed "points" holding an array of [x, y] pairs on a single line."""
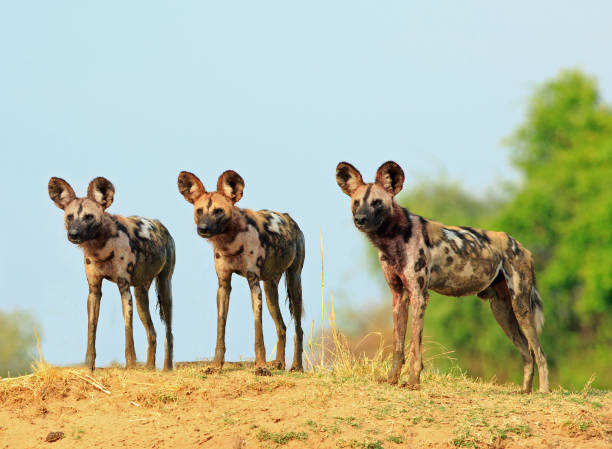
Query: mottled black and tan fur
{"points": [[259, 245], [129, 251], [417, 255]]}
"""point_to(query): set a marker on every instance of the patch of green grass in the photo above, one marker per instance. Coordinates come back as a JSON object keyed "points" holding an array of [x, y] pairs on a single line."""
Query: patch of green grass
{"points": [[383, 412], [521, 430], [395, 439], [166, 397], [77, 433], [350, 420], [332, 430], [356, 444], [466, 439], [374, 445], [281, 438]]}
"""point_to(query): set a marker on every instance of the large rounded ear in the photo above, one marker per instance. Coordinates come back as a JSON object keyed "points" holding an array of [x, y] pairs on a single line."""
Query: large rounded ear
{"points": [[390, 176], [348, 178], [190, 186], [102, 191], [60, 192], [231, 185]]}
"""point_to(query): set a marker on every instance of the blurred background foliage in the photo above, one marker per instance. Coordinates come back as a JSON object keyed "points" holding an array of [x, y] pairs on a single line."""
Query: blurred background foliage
{"points": [[17, 342], [562, 212]]}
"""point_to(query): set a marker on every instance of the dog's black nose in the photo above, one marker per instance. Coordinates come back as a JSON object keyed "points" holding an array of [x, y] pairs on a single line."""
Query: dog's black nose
{"points": [[73, 233], [360, 220], [203, 228]]}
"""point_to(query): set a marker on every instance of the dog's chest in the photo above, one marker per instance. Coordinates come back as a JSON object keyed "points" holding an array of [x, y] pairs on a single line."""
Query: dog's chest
{"points": [[244, 254], [113, 261]]}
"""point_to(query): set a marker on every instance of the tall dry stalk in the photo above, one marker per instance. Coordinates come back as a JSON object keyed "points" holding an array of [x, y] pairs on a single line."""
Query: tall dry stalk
{"points": [[322, 301]]}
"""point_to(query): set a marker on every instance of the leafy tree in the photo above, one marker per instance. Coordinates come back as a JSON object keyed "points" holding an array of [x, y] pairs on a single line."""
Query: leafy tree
{"points": [[563, 213], [17, 342]]}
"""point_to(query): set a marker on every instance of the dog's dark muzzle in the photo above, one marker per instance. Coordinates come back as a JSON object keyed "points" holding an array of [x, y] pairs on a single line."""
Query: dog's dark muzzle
{"points": [[204, 231], [82, 233], [367, 222], [74, 235]]}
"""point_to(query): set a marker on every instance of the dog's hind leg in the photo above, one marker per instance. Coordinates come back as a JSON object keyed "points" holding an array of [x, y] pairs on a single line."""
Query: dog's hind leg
{"points": [[271, 291], [527, 309], [502, 311], [141, 293]]}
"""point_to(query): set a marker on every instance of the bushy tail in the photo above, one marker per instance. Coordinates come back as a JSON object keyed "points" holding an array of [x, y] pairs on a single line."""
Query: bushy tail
{"points": [[293, 285], [538, 309], [163, 286], [164, 299], [293, 280]]}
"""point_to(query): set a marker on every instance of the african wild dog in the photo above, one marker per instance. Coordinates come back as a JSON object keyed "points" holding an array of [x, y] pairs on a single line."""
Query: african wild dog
{"points": [[418, 254], [259, 245], [125, 250]]}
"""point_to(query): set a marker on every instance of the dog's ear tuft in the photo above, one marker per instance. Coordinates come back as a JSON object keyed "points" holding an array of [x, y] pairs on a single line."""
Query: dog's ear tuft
{"points": [[391, 177], [348, 178], [60, 192], [190, 186], [231, 185], [102, 191]]}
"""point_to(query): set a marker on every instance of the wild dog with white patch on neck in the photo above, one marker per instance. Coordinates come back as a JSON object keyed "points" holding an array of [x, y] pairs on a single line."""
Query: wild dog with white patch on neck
{"points": [[259, 245], [417, 254], [129, 251]]}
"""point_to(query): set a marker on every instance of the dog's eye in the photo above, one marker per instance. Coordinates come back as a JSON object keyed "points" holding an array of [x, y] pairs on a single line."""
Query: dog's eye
{"points": [[377, 203], [70, 217], [88, 217], [218, 211], [199, 211], [356, 203]]}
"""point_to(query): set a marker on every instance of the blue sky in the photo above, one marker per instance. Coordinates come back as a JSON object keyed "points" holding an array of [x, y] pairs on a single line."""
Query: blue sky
{"points": [[278, 91]]}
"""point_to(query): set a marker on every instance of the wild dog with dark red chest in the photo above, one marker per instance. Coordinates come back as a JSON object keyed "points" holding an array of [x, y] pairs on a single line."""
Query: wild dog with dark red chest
{"points": [[417, 255], [259, 245], [129, 251]]}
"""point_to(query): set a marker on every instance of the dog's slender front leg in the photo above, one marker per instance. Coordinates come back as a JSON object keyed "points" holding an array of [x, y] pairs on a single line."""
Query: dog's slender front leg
{"points": [[400, 322], [128, 313], [223, 296], [418, 303], [93, 311]]}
